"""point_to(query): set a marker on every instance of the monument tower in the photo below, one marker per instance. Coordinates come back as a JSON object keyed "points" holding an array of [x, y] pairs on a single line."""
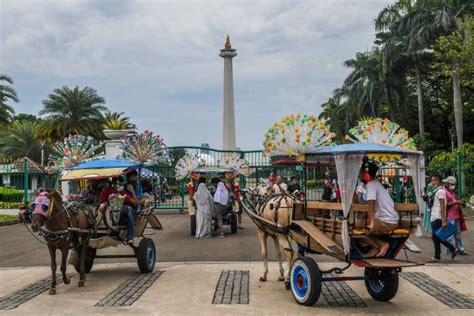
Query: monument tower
{"points": [[229, 114]]}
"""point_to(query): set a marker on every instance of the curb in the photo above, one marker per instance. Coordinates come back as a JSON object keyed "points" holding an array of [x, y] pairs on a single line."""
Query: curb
{"points": [[10, 222]]}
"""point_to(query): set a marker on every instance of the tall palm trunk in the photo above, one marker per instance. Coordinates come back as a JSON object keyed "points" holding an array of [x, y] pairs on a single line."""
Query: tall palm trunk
{"points": [[419, 92], [457, 101]]}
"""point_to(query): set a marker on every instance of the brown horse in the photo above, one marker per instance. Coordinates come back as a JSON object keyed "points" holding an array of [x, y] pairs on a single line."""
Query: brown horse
{"points": [[62, 228], [276, 208]]}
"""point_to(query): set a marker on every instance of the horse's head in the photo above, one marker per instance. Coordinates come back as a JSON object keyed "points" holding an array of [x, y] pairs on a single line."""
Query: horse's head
{"points": [[262, 190], [44, 206]]}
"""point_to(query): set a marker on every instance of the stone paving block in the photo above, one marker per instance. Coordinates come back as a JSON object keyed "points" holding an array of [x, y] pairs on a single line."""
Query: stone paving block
{"points": [[15, 299], [232, 287], [438, 290], [341, 294], [129, 291]]}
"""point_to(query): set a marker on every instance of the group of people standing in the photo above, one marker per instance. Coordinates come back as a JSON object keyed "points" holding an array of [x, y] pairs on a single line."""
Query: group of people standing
{"points": [[443, 217], [214, 203]]}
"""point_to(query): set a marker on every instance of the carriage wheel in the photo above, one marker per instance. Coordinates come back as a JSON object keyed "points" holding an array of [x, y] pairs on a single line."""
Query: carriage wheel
{"points": [[382, 284], [305, 281], [193, 225], [146, 255], [89, 259]]}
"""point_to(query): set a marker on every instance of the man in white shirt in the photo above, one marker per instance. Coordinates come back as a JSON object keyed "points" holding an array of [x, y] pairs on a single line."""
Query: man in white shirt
{"points": [[382, 216], [279, 187], [438, 219]]}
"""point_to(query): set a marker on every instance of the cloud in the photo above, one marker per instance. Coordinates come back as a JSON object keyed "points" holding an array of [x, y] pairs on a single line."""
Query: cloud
{"points": [[158, 60]]}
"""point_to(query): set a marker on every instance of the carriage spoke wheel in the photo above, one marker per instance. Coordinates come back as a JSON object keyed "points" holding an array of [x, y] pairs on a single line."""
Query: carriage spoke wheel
{"points": [[146, 255], [305, 281], [382, 284]]}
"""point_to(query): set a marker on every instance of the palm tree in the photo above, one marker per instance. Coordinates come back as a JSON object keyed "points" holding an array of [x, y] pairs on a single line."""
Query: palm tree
{"points": [[115, 121], [73, 111], [7, 92], [365, 83], [22, 140], [425, 24]]}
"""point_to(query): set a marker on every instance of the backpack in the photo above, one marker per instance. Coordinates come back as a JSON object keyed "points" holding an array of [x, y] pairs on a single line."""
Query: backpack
{"points": [[431, 199]]}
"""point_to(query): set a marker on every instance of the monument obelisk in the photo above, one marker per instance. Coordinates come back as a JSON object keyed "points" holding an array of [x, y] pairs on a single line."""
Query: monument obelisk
{"points": [[229, 114]]}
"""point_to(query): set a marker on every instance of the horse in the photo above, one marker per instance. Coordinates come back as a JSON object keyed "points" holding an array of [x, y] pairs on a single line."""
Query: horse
{"points": [[62, 227], [276, 208]]}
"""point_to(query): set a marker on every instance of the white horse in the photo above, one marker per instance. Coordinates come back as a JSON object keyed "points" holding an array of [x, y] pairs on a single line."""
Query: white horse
{"points": [[276, 208]]}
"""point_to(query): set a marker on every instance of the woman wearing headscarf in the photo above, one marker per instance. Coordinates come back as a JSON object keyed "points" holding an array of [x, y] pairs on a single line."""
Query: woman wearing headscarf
{"points": [[221, 201], [428, 194], [205, 208]]}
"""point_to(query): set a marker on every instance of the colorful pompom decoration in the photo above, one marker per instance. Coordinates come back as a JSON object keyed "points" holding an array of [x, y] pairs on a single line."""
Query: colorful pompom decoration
{"points": [[381, 131], [186, 165], [144, 148], [73, 150], [296, 134], [235, 162]]}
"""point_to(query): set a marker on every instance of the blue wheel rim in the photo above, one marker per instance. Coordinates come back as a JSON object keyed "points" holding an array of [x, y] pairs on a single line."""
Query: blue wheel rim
{"points": [[150, 256], [300, 282], [376, 285]]}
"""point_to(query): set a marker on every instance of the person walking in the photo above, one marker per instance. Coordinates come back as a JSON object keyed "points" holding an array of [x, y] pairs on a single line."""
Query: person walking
{"points": [[428, 196], [438, 219], [221, 202], [455, 215], [205, 209]]}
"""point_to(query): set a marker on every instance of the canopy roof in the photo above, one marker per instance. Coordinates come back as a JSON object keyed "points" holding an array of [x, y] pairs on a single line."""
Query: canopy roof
{"points": [[99, 173], [107, 163], [361, 148], [213, 170]]}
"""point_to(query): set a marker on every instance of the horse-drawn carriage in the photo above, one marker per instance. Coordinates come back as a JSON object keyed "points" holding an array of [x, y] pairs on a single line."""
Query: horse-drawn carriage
{"points": [[75, 223], [336, 229], [230, 217]]}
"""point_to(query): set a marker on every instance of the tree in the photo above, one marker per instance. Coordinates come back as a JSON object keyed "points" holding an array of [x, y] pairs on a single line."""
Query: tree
{"points": [[7, 93], [428, 21], [22, 141], [115, 121], [73, 111]]}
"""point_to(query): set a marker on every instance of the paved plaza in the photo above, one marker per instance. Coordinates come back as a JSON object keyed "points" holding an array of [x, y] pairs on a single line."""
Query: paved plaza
{"points": [[214, 276]]}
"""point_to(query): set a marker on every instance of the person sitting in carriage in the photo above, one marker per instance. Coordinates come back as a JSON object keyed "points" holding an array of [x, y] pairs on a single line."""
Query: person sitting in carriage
{"points": [[130, 206], [382, 216]]}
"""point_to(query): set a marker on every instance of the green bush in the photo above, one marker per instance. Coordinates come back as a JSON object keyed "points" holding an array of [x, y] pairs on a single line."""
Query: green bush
{"points": [[9, 205], [10, 195]]}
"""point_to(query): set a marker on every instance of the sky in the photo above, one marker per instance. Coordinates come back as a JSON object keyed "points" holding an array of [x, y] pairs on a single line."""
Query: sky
{"points": [[158, 61]]}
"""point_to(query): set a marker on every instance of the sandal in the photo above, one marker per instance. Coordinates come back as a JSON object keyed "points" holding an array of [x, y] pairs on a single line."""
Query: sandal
{"points": [[432, 260], [221, 235]]}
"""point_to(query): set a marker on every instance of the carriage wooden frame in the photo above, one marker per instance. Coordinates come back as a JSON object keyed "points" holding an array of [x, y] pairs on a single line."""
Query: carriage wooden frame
{"points": [[144, 249], [317, 232]]}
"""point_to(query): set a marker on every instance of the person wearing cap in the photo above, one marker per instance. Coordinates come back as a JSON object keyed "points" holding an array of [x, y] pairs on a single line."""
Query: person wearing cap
{"points": [[455, 216], [438, 219]]}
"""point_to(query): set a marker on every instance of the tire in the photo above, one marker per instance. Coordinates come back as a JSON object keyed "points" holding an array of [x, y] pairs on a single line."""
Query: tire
{"points": [[193, 225], [233, 223], [305, 281], [382, 284], [89, 259], [146, 255]]}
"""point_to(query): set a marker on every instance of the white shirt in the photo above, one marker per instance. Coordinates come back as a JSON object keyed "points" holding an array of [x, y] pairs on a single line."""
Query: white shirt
{"points": [[384, 205], [436, 208], [276, 189]]}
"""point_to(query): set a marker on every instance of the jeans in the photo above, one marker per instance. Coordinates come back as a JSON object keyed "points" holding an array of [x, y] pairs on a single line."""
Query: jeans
{"points": [[456, 238], [128, 215], [435, 225]]}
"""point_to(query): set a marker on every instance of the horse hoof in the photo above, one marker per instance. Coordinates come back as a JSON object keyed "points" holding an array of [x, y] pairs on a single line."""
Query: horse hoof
{"points": [[281, 278], [262, 279], [67, 281], [52, 291], [80, 283], [287, 285]]}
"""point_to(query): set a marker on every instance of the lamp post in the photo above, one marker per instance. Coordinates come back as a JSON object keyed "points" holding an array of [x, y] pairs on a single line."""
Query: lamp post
{"points": [[42, 142]]}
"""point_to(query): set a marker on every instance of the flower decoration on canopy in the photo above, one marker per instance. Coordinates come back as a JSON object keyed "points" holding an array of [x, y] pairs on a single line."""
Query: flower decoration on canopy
{"points": [[144, 147], [381, 131], [73, 150], [236, 162], [296, 134], [186, 165]]}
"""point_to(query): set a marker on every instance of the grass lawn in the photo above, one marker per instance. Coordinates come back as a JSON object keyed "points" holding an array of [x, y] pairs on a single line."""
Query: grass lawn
{"points": [[7, 217]]}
